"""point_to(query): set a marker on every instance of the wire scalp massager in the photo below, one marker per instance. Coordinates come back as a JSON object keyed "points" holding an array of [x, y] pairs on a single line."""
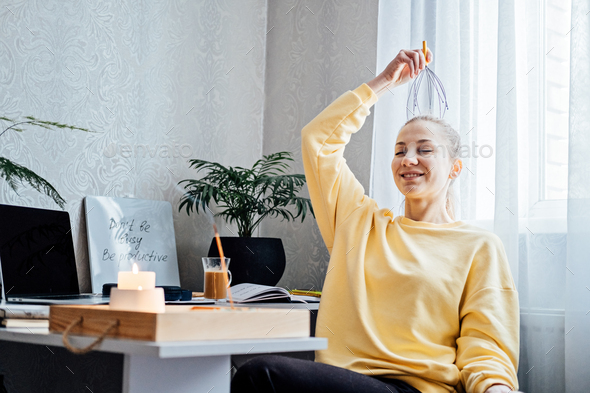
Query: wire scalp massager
{"points": [[433, 94]]}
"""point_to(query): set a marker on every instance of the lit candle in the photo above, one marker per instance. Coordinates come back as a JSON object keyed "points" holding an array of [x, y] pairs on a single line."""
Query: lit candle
{"points": [[136, 291], [136, 279]]}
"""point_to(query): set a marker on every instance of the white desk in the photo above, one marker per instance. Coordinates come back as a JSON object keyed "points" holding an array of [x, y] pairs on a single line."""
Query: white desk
{"points": [[190, 366]]}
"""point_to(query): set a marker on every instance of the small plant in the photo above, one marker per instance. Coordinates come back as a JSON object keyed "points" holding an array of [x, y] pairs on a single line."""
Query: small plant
{"points": [[16, 174], [247, 195]]}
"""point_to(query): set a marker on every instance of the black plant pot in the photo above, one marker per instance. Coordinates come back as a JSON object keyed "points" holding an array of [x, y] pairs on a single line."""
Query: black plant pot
{"points": [[255, 260]]}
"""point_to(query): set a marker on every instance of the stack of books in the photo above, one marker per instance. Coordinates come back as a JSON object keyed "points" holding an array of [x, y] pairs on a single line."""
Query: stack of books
{"points": [[32, 317]]}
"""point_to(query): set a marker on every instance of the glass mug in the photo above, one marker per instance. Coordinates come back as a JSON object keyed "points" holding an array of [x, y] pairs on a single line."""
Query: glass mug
{"points": [[214, 285]]}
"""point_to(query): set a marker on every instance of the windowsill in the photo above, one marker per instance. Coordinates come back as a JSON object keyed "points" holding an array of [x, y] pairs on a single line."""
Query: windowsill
{"points": [[548, 216], [530, 226], [548, 312]]}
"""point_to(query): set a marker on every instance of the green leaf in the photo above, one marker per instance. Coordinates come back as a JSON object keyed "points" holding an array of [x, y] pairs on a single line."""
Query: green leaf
{"points": [[16, 174], [246, 195]]}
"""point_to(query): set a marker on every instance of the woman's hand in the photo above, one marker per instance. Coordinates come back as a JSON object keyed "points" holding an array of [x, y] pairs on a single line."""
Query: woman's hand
{"points": [[499, 388], [405, 66]]}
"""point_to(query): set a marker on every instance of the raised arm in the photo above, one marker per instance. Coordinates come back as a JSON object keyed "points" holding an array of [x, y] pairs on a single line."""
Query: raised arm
{"points": [[334, 191]]}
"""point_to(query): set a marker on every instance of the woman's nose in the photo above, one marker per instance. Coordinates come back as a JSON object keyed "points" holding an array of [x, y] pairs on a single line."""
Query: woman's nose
{"points": [[410, 158]]}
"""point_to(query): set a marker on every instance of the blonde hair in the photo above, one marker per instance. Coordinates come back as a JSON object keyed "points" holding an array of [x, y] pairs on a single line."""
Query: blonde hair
{"points": [[453, 147]]}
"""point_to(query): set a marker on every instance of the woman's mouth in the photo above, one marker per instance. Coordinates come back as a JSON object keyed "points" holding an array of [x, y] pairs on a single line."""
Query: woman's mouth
{"points": [[412, 176]]}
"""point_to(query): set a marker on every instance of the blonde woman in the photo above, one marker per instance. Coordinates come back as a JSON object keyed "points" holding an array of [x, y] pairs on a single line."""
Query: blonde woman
{"points": [[413, 303]]}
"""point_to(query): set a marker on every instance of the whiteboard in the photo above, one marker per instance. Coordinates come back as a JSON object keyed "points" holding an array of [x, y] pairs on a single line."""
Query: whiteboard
{"points": [[123, 231]]}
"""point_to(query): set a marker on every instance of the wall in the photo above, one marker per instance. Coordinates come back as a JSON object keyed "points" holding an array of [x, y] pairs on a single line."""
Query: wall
{"points": [[159, 82], [315, 52]]}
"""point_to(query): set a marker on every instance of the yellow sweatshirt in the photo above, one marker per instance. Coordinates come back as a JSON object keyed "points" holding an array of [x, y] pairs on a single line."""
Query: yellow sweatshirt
{"points": [[433, 305]]}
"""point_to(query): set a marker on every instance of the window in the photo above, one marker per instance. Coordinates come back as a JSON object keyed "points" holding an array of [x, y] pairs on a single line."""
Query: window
{"points": [[544, 32], [549, 201]]}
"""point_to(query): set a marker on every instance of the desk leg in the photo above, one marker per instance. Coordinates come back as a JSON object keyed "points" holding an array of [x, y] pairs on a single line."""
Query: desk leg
{"points": [[180, 375]]}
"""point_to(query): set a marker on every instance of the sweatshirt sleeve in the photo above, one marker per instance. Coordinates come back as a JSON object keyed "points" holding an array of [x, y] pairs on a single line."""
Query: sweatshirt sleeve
{"points": [[489, 343], [333, 189]]}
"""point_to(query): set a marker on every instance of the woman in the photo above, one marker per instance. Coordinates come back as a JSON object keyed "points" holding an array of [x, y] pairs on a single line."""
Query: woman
{"points": [[419, 303]]}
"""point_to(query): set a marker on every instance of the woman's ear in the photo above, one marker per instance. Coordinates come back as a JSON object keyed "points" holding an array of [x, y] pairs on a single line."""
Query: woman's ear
{"points": [[456, 169]]}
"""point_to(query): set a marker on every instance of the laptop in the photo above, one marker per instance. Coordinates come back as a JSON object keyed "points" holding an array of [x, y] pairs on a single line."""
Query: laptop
{"points": [[37, 261]]}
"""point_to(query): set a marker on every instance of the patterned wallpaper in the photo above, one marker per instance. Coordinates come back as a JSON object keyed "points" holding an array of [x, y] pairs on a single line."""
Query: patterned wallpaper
{"points": [[159, 81]]}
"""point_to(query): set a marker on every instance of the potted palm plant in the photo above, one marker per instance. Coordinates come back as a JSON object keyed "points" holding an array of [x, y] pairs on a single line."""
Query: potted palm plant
{"points": [[246, 196], [15, 174]]}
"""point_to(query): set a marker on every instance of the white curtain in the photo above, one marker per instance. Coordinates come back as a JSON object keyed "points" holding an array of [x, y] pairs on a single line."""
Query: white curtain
{"points": [[495, 61], [577, 306]]}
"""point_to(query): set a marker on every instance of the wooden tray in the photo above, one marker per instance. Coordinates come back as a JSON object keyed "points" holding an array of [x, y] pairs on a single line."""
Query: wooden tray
{"points": [[182, 323]]}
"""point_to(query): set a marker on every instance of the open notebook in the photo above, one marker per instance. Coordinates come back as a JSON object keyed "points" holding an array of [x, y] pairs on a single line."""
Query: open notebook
{"points": [[250, 293]]}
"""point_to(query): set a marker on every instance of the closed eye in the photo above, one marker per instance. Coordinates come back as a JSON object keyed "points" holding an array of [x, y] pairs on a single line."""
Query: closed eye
{"points": [[421, 151]]}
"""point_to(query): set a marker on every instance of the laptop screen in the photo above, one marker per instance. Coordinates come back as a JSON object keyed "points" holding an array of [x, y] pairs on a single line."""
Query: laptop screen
{"points": [[36, 252]]}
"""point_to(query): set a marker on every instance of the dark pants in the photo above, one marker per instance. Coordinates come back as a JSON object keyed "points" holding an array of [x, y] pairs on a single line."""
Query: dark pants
{"points": [[280, 374]]}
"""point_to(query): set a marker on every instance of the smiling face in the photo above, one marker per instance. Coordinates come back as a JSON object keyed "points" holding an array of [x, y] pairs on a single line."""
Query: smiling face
{"points": [[421, 165]]}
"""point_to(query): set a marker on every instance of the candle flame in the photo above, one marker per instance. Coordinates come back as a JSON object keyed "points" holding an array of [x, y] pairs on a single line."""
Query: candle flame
{"points": [[135, 268]]}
